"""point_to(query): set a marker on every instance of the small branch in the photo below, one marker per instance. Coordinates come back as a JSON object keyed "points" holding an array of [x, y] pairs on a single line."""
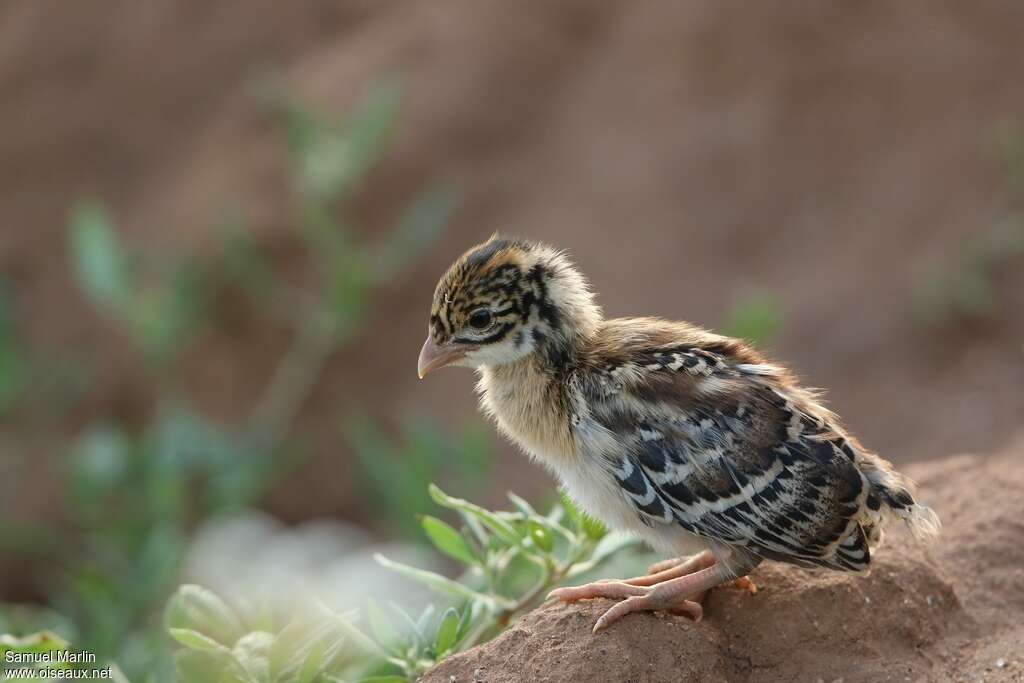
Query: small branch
{"points": [[295, 376]]}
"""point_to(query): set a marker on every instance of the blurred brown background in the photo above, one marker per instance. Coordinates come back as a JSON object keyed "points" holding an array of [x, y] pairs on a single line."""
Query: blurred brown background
{"points": [[689, 155]]}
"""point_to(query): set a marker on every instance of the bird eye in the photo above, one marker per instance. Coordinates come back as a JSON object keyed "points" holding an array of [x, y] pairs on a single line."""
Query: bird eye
{"points": [[480, 319]]}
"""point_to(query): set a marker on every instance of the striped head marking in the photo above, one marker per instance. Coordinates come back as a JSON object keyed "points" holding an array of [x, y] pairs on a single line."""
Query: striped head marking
{"points": [[501, 301]]}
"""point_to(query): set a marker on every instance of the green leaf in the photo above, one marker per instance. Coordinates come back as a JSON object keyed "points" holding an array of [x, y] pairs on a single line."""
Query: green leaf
{"points": [[413, 628], [14, 362], [756, 318], [313, 662], [251, 656], [298, 652], [582, 522], [609, 545], [419, 227], [448, 540], [434, 581], [612, 544], [541, 536], [424, 621], [193, 665], [99, 263], [380, 624], [358, 638], [196, 640], [331, 160], [369, 127], [447, 632], [522, 505], [569, 507], [198, 609], [593, 528], [99, 464], [501, 528], [466, 620], [43, 641]]}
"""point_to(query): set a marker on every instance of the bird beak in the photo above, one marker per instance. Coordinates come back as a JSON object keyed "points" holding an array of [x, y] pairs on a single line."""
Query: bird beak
{"points": [[433, 356]]}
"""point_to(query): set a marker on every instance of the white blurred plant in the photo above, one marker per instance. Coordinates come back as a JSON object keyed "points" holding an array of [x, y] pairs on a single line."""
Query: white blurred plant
{"points": [[252, 559], [289, 617]]}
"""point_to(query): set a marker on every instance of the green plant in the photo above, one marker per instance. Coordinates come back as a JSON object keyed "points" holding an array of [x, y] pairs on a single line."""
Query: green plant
{"points": [[13, 362], [135, 498], [37, 383], [136, 487], [398, 471], [511, 559], [160, 300], [45, 656], [755, 317], [965, 288], [1008, 141]]}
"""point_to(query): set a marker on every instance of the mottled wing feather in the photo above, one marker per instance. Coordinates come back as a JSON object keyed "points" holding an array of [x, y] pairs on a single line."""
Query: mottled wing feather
{"points": [[712, 447]]}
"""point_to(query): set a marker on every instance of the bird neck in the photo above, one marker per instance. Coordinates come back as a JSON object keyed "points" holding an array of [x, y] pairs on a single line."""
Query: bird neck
{"points": [[527, 400], [568, 318], [556, 350]]}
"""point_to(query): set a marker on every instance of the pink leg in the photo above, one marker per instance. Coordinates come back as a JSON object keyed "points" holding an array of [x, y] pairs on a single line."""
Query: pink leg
{"points": [[686, 565], [671, 569], [659, 567], [679, 588]]}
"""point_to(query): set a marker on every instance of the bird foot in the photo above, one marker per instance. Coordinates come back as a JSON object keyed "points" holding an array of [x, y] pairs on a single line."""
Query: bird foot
{"points": [[634, 599], [744, 583], [680, 566], [677, 586]]}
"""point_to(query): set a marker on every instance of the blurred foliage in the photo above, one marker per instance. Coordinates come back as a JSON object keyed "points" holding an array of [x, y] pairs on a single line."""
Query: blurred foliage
{"points": [[36, 382], [28, 619], [1009, 144], [756, 318], [965, 288], [134, 499], [159, 299], [13, 362], [43, 653], [511, 560], [398, 471], [134, 491]]}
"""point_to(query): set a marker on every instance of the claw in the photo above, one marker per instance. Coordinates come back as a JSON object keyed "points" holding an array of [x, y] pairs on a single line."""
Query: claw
{"points": [[649, 602], [745, 583]]}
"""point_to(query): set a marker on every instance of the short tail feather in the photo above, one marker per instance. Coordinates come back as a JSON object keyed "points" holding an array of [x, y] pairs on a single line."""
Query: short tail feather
{"points": [[920, 519], [895, 493]]}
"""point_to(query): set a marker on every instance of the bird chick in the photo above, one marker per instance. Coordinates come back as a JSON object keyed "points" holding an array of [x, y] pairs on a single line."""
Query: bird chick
{"points": [[691, 440]]}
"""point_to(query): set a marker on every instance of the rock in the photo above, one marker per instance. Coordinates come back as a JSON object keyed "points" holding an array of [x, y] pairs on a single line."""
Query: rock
{"points": [[941, 613]]}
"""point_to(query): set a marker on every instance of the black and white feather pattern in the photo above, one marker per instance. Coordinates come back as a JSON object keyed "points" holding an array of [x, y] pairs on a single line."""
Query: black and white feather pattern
{"points": [[721, 449]]}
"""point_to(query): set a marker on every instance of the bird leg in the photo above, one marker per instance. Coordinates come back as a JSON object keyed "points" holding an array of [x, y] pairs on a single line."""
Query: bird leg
{"points": [[678, 588], [676, 566], [705, 558], [687, 565]]}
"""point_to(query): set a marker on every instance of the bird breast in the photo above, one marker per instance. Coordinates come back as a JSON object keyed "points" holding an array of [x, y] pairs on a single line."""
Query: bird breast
{"points": [[528, 408], [552, 426]]}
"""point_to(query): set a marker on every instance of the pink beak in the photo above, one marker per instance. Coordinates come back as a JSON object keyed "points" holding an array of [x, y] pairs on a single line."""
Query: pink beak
{"points": [[433, 356]]}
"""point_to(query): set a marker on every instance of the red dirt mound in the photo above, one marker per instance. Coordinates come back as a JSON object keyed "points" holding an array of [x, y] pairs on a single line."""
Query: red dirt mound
{"points": [[950, 612]]}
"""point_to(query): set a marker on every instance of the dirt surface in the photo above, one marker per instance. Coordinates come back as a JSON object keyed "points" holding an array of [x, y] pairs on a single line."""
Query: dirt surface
{"points": [[946, 613], [687, 154]]}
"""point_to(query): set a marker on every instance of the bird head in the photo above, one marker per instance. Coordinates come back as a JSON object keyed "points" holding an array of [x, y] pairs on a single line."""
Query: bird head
{"points": [[503, 301]]}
